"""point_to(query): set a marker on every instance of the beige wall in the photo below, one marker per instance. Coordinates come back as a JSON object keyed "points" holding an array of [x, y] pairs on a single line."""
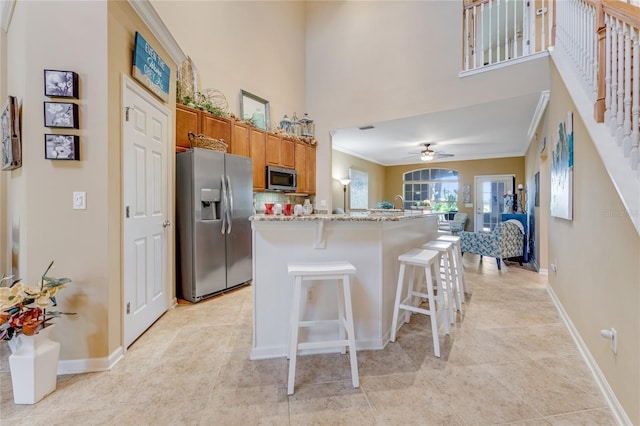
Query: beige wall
{"points": [[467, 170], [340, 169], [371, 61], [257, 46], [41, 224], [534, 163], [123, 23], [598, 273]]}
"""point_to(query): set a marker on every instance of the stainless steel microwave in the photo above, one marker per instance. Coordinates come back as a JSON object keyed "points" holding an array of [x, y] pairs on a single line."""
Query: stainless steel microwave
{"points": [[281, 179]]}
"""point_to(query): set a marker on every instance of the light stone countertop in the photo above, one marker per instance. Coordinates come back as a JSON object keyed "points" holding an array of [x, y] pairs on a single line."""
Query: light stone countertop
{"points": [[349, 217]]}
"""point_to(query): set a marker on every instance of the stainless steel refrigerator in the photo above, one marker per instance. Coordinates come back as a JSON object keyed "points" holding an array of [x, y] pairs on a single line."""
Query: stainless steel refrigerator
{"points": [[214, 199]]}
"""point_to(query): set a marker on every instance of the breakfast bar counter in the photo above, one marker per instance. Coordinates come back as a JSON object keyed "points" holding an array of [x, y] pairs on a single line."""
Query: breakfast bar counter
{"points": [[371, 242]]}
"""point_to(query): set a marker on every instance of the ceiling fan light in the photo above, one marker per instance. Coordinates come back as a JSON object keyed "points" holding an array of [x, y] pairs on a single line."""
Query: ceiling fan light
{"points": [[426, 155]]}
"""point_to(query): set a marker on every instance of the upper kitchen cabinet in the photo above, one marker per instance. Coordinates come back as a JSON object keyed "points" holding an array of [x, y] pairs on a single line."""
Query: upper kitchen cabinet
{"points": [[287, 153], [187, 120], [257, 145], [274, 151], [240, 139], [310, 162], [280, 151], [301, 166], [199, 122]]}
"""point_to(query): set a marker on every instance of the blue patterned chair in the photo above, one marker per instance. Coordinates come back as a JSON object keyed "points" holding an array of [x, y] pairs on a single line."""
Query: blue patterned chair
{"points": [[506, 240], [459, 222]]}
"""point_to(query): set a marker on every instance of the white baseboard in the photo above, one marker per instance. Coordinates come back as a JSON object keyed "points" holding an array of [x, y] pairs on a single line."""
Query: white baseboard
{"points": [[618, 412], [91, 365], [543, 271]]}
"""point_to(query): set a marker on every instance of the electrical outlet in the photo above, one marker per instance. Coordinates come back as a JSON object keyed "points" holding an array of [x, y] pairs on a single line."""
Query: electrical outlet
{"points": [[79, 200], [310, 295]]}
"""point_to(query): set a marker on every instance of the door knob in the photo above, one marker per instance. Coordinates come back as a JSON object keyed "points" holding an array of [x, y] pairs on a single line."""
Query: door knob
{"points": [[166, 223]]}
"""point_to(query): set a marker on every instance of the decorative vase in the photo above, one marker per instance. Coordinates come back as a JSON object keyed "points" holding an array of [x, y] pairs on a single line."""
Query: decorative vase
{"points": [[34, 367]]}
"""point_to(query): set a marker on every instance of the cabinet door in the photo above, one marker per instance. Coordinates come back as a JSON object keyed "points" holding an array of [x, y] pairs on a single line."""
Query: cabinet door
{"points": [[273, 152], [239, 139], [287, 153], [300, 163], [187, 120], [215, 127], [257, 139], [310, 165]]}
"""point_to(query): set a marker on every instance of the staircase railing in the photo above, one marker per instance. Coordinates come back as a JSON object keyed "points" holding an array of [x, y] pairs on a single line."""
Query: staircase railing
{"points": [[598, 39], [498, 31]]}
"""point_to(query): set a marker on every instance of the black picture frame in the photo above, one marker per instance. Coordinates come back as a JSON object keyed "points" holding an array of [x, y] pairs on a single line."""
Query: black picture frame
{"points": [[11, 141], [60, 84], [61, 147], [62, 115]]}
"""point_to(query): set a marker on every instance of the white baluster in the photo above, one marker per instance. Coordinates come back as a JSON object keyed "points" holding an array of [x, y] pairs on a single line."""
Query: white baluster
{"points": [[490, 33], [620, 78], [482, 61], [614, 76], [607, 70], [626, 125], [467, 37], [635, 96], [498, 49]]}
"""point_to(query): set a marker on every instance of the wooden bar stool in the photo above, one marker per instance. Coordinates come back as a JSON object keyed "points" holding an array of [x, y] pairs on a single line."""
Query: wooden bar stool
{"points": [[455, 239], [430, 261], [446, 250], [339, 271]]}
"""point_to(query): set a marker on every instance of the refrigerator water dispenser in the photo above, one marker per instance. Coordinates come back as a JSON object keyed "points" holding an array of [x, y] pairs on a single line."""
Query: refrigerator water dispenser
{"points": [[210, 199]]}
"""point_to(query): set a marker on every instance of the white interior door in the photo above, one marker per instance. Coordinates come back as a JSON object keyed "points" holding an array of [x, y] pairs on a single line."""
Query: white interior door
{"points": [[489, 195], [145, 177]]}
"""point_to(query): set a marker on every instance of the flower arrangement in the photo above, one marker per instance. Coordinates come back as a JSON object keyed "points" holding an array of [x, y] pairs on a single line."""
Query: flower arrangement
{"points": [[23, 308]]}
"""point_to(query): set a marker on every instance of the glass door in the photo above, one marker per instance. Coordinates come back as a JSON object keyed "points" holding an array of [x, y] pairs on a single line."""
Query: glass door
{"points": [[490, 200]]}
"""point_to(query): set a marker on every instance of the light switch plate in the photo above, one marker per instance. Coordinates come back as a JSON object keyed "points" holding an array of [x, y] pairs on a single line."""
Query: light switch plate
{"points": [[79, 200]]}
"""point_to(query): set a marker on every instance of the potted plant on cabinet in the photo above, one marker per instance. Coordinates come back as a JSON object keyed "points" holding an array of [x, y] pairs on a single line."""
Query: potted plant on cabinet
{"points": [[25, 324]]}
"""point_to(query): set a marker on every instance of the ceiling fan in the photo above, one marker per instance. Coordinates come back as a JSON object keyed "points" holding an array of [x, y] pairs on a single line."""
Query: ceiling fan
{"points": [[427, 154]]}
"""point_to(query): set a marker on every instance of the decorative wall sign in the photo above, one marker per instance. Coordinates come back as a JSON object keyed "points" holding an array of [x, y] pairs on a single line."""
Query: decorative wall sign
{"points": [[149, 68], [11, 144], [61, 147], [60, 84], [562, 171], [61, 114]]}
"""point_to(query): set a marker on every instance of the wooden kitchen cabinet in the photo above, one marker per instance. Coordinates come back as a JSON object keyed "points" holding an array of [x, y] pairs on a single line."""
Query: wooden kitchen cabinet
{"points": [[300, 166], [257, 145], [310, 163], [187, 120], [305, 165], [240, 139], [287, 153], [199, 122], [273, 153]]}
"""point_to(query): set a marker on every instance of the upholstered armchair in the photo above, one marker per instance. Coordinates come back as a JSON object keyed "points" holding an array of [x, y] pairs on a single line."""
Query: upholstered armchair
{"points": [[506, 240], [459, 222]]}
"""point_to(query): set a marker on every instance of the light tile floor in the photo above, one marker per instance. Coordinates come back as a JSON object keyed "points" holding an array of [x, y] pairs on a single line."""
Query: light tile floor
{"points": [[509, 360]]}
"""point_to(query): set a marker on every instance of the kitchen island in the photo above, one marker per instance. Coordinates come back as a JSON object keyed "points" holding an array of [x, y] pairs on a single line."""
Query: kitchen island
{"points": [[371, 242]]}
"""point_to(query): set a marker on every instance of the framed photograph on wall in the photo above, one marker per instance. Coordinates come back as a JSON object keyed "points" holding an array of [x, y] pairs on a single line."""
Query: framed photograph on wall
{"points": [[61, 115], [60, 84], [254, 109], [62, 147], [11, 143]]}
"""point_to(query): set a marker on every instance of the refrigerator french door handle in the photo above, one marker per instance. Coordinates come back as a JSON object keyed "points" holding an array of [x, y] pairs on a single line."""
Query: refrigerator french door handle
{"points": [[230, 206], [224, 206]]}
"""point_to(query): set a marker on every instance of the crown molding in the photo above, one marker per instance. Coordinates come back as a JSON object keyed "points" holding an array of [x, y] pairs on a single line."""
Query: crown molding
{"points": [[6, 12], [538, 113], [150, 17]]}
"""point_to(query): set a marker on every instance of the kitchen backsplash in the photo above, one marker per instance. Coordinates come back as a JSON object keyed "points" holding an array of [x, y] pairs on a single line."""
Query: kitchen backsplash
{"points": [[259, 198]]}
